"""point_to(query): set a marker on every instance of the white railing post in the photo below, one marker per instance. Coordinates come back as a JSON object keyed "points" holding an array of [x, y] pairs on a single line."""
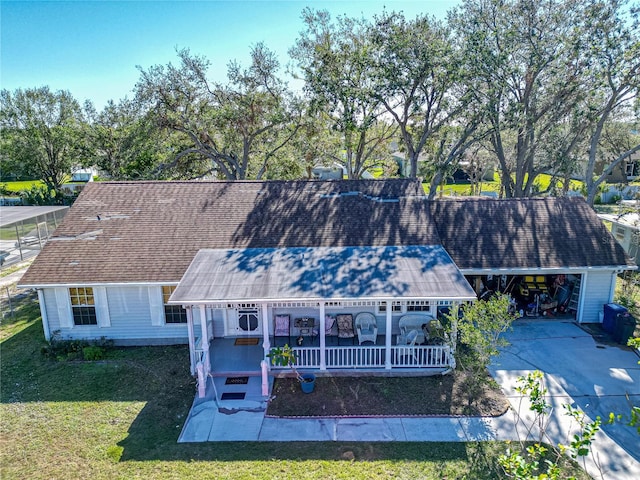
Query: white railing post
{"points": [[323, 340], [202, 379], [266, 346], [205, 338], [192, 341], [387, 337], [264, 369]]}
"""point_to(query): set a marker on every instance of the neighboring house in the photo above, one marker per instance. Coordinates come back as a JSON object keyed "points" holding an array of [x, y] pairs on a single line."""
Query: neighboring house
{"points": [[626, 230], [460, 175], [83, 175], [201, 262], [626, 171], [334, 172]]}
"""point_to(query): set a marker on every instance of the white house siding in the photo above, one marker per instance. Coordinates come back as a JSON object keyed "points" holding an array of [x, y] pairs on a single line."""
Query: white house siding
{"points": [[129, 321], [218, 316], [596, 290]]}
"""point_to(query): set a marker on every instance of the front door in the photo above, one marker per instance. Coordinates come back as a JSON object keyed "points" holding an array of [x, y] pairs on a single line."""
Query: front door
{"points": [[248, 322]]}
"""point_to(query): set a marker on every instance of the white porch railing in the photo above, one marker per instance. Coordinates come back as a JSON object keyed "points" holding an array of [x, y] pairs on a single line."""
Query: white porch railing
{"points": [[427, 356], [199, 350]]}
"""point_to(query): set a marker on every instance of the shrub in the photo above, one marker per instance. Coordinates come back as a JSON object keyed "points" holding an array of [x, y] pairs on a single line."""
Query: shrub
{"points": [[93, 353], [60, 349]]}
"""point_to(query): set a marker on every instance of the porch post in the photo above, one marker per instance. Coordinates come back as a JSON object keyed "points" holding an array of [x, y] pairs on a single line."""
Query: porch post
{"points": [[192, 341], [387, 337], [323, 340], [205, 338], [265, 330]]}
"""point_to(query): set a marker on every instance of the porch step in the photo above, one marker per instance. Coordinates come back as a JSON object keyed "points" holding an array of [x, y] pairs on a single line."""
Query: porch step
{"points": [[230, 393], [235, 373]]}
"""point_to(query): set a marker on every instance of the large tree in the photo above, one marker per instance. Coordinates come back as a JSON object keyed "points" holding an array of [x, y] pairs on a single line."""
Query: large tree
{"points": [[41, 130], [124, 141], [334, 60], [612, 43], [240, 126], [526, 71], [420, 82]]}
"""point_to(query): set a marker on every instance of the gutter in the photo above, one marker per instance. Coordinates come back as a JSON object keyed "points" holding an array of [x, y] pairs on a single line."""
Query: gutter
{"points": [[316, 299], [543, 271], [97, 284]]}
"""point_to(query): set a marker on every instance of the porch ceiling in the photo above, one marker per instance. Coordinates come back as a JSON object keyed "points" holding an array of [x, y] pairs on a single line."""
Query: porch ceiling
{"points": [[323, 273]]}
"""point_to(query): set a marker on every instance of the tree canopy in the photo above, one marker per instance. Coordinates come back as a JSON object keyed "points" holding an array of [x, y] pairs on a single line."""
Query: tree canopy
{"points": [[239, 126], [41, 132], [531, 87]]}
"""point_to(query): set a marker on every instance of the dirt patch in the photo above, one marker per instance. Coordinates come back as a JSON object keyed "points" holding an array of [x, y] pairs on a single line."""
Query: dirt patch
{"points": [[364, 396]]}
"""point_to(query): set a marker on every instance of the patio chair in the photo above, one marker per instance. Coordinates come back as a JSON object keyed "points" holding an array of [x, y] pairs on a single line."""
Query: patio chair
{"points": [[367, 327], [282, 328], [330, 327], [345, 327], [407, 350]]}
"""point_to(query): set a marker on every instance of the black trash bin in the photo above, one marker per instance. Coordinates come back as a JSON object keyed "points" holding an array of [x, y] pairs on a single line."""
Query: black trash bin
{"points": [[624, 327]]}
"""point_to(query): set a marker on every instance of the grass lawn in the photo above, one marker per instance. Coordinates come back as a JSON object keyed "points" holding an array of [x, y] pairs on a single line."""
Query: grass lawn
{"points": [[21, 185], [542, 181], [119, 418]]}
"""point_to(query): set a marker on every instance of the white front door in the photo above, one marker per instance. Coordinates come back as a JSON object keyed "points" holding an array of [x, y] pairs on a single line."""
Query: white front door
{"points": [[248, 322]]}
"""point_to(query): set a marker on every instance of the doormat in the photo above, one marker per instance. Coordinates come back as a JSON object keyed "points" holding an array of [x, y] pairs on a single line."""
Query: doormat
{"points": [[236, 381], [233, 396], [247, 341]]}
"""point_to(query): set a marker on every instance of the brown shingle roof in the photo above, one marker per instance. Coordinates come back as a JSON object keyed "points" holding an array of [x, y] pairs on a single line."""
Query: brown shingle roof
{"points": [[150, 231], [526, 233], [125, 232]]}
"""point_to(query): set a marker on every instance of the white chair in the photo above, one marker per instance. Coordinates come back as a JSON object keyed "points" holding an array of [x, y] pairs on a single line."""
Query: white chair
{"points": [[367, 327], [410, 322]]}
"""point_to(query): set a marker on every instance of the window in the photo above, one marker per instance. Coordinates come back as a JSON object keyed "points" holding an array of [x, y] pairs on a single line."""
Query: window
{"points": [[629, 168], [172, 313], [83, 306], [396, 307], [418, 306]]}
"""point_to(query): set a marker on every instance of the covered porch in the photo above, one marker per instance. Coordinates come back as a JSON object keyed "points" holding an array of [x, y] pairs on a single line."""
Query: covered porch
{"points": [[247, 293]]}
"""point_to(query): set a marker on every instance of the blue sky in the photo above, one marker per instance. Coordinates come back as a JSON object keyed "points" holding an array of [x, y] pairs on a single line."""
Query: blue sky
{"points": [[91, 48]]}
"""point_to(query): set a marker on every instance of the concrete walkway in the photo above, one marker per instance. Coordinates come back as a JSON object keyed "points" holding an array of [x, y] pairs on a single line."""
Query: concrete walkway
{"points": [[594, 377], [245, 422]]}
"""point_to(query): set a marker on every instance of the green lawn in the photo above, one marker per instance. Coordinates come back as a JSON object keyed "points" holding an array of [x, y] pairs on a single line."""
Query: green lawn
{"points": [[19, 186], [120, 418], [542, 183]]}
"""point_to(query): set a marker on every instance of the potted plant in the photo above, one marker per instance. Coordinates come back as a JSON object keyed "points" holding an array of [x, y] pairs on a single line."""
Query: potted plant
{"points": [[285, 357]]}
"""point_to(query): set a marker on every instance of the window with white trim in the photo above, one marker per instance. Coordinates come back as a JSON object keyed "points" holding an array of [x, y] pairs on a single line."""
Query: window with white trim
{"points": [[83, 306], [172, 313], [396, 307], [418, 306]]}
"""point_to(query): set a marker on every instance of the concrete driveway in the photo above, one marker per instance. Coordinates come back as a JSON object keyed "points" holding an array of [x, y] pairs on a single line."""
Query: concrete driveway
{"points": [[598, 379]]}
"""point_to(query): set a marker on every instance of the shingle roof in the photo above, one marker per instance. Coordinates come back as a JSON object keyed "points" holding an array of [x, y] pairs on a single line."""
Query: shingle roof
{"points": [[150, 231], [128, 232], [525, 233]]}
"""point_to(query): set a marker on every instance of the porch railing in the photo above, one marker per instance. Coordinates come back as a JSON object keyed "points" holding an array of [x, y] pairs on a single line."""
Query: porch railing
{"points": [[427, 356], [199, 350]]}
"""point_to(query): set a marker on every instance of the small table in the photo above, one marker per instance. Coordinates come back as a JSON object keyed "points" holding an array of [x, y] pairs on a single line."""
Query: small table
{"points": [[304, 325]]}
